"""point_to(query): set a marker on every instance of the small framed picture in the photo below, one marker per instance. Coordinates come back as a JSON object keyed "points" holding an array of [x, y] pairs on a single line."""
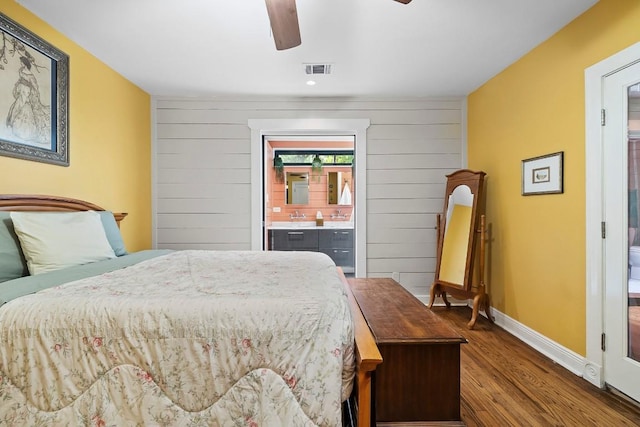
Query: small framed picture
{"points": [[543, 174]]}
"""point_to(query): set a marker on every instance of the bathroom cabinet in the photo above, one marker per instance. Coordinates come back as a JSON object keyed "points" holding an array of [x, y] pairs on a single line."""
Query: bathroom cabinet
{"points": [[338, 244], [335, 242], [293, 240]]}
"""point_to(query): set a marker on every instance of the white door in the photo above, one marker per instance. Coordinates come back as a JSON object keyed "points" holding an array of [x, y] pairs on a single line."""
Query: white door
{"points": [[621, 167]]}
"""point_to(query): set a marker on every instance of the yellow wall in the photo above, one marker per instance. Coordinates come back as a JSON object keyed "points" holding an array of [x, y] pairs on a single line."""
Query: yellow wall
{"points": [[109, 140], [536, 107]]}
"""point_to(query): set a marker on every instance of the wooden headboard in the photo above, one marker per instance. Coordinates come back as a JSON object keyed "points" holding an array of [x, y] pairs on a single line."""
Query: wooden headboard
{"points": [[39, 203]]}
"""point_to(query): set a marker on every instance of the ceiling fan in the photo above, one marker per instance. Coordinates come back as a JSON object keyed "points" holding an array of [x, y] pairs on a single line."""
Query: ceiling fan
{"points": [[284, 22]]}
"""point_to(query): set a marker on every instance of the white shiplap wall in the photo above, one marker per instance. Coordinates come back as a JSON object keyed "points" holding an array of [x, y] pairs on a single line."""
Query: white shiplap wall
{"points": [[202, 167]]}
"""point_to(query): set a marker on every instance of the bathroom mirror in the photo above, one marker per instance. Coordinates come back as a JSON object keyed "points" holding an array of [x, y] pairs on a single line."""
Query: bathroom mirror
{"points": [[297, 188], [338, 188], [460, 231]]}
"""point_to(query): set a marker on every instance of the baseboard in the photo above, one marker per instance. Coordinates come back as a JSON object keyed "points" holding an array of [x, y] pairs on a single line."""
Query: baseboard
{"points": [[564, 357], [561, 355]]}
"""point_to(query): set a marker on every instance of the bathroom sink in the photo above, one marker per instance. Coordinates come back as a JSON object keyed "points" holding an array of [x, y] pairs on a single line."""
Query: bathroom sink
{"points": [[338, 224]]}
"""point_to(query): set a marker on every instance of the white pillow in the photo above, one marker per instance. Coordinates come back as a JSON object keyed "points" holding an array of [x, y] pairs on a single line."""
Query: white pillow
{"points": [[51, 241]]}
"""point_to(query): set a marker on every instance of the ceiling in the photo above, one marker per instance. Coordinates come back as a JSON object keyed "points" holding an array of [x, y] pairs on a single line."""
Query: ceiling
{"points": [[375, 47]]}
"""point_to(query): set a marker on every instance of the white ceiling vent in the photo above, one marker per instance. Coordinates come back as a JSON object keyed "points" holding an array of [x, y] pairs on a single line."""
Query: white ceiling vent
{"points": [[317, 68]]}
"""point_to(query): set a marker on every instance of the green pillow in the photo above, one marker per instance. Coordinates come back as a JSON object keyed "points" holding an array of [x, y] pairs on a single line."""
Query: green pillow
{"points": [[113, 232], [12, 262]]}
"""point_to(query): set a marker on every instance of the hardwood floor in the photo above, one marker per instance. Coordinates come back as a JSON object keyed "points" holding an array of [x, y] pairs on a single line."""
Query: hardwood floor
{"points": [[504, 382]]}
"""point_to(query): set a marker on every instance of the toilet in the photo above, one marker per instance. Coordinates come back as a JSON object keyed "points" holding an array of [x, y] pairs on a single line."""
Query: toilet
{"points": [[634, 262]]}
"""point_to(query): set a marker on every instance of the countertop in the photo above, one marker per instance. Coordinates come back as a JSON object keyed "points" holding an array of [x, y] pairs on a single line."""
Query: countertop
{"points": [[309, 225]]}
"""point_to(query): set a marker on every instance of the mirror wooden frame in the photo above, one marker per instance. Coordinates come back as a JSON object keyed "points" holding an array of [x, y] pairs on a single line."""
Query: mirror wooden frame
{"points": [[472, 285]]}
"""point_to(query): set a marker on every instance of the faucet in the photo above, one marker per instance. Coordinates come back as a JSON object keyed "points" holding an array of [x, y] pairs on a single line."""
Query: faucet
{"points": [[339, 215], [297, 216]]}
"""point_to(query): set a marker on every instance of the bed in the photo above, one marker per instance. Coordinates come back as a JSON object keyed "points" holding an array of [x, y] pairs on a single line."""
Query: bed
{"points": [[171, 337]]}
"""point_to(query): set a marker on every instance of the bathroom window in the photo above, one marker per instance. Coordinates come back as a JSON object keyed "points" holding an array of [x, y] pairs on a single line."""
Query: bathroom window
{"points": [[304, 158]]}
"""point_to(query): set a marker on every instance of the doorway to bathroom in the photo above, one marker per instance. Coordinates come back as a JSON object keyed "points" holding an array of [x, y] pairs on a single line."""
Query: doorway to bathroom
{"points": [[308, 201], [311, 130]]}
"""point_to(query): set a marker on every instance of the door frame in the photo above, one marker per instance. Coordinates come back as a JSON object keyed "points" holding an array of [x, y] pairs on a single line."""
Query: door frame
{"points": [[311, 127], [594, 79]]}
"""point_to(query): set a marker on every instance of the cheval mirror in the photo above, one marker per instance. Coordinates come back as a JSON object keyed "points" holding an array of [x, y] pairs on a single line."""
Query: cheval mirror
{"points": [[460, 231]]}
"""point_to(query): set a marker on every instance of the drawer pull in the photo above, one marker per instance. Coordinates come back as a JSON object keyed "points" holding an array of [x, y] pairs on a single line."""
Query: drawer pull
{"points": [[297, 233]]}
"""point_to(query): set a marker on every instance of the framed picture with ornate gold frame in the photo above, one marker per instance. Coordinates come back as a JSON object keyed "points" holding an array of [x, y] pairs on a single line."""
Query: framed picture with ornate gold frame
{"points": [[34, 96]]}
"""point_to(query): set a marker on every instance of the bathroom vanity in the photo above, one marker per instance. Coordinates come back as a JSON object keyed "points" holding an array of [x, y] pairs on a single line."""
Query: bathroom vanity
{"points": [[334, 239]]}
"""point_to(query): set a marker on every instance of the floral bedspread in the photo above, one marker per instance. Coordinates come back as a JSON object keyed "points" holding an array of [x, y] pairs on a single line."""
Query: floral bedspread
{"points": [[228, 338]]}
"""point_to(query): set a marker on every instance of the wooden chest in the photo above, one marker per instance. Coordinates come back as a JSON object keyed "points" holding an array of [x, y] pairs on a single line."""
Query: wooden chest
{"points": [[419, 378]]}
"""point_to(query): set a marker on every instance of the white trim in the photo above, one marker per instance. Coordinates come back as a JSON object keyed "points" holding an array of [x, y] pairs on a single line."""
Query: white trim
{"points": [[594, 76], [566, 358], [355, 127], [464, 149], [331, 138], [154, 172]]}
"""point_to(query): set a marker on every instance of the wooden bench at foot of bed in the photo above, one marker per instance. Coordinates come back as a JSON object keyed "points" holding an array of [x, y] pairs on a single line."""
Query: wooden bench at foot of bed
{"points": [[418, 381]]}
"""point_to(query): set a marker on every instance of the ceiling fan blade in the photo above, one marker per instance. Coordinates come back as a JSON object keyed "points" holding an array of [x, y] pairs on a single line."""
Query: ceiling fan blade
{"points": [[284, 23], [404, 1]]}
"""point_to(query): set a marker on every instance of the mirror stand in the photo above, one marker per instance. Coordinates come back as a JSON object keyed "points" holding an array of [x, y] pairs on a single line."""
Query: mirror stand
{"points": [[460, 231]]}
